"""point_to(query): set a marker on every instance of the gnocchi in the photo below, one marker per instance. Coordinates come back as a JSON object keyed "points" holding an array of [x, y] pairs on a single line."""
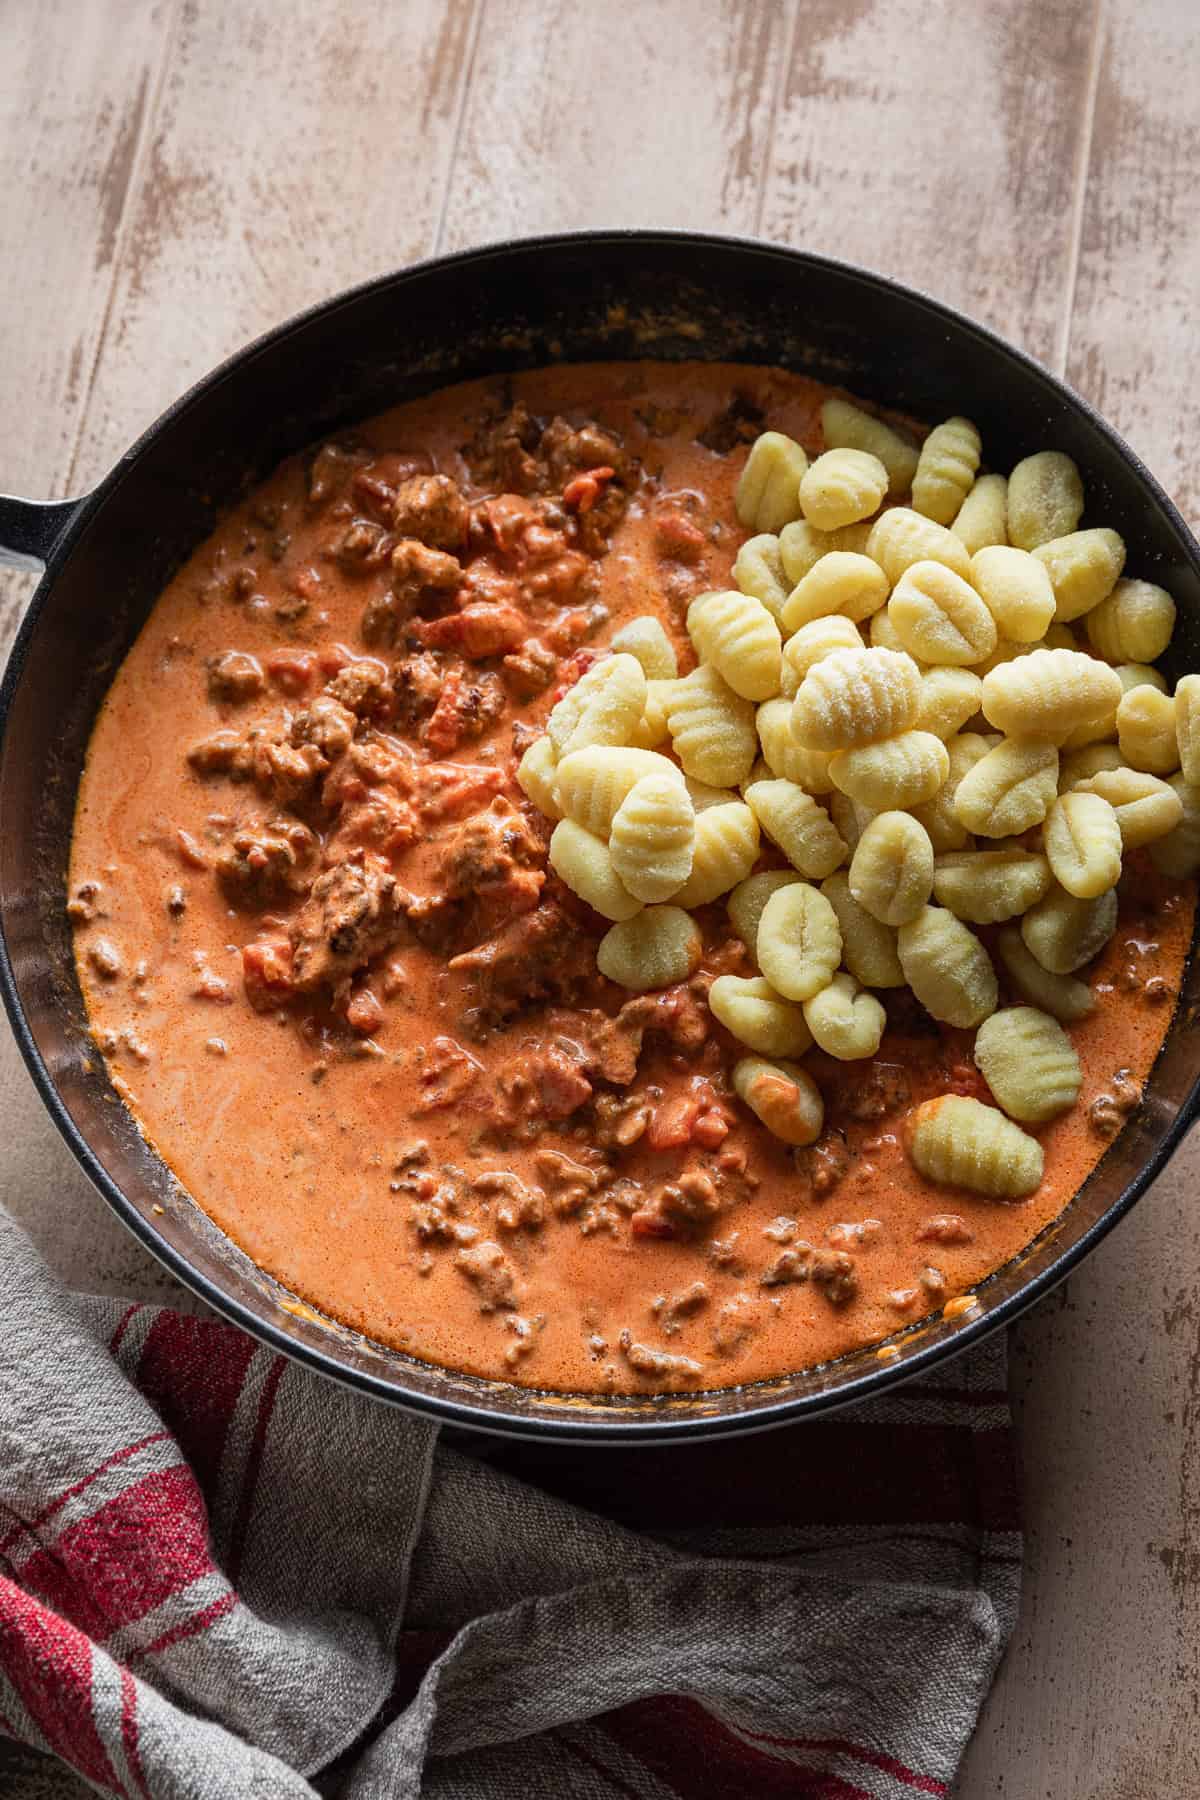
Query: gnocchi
{"points": [[1177, 854], [939, 618], [646, 639], [803, 830], [585, 864], [868, 946], [653, 838], [658, 947], [758, 1017], [845, 1022], [591, 784], [841, 582], [1083, 570], [1146, 807], [746, 902], [712, 729], [799, 941], [1045, 499], [947, 968], [758, 570], [1009, 790], [1146, 730], [1015, 588], [784, 1096], [901, 537], [786, 758], [902, 771], [736, 635], [1134, 624], [1048, 693], [847, 426], [987, 886], [1029, 1063], [1062, 996], [1187, 727], [1083, 844], [949, 698], [891, 875], [801, 545], [856, 697], [960, 1142], [841, 488], [767, 496], [1064, 932], [946, 470], [724, 850], [603, 707], [982, 520]]}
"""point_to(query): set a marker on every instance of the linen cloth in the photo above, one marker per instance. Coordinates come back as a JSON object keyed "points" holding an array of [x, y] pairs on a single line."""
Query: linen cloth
{"points": [[222, 1576]]}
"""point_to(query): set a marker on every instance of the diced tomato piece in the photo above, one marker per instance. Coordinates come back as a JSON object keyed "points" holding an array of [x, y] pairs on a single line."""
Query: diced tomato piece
{"points": [[671, 1126], [583, 490], [267, 972], [333, 658], [578, 666], [567, 630], [448, 1072], [292, 671], [652, 1224], [678, 537], [710, 1130], [478, 631], [443, 728], [364, 1013]]}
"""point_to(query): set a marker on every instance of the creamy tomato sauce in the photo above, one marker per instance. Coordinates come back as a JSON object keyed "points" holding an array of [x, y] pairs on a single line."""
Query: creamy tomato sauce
{"points": [[346, 1002]]}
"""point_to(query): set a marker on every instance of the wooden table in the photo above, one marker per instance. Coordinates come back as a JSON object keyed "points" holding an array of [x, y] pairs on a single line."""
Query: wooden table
{"points": [[180, 175]]}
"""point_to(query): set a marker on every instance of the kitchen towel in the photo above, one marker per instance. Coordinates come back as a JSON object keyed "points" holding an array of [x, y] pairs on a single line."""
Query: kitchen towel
{"points": [[223, 1577]]}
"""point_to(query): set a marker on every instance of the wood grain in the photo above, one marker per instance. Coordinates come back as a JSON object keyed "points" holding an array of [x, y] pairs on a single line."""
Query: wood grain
{"points": [[939, 144], [572, 119], [190, 173]]}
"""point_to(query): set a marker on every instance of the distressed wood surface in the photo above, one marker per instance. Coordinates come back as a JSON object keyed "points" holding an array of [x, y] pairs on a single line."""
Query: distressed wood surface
{"points": [[187, 174]]}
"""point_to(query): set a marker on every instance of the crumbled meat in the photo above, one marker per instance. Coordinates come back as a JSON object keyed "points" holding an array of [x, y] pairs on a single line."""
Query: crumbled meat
{"points": [[568, 449], [417, 681], [678, 538], [525, 1334], [363, 548], [1108, 1112], [791, 1266], [692, 1198], [479, 630], [431, 509], [738, 423], [362, 687], [568, 1182], [854, 1234], [326, 724], [621, 1119], [224, 753], [781, 1230], [235, 677], [381, 822], [671, 1309], [488, 1270], [675, 1014], [503, 452], [658, 1364], [486, 849], [834, 1273], [417, 574], [520, 1207], [331, 469], [447, 1073], [530, 670], [945, 1228], [287, 774], [105, 958], [824, 1163], [883, 1088], [738, 1320], [81, 907], [265, 862], [353, 911]]}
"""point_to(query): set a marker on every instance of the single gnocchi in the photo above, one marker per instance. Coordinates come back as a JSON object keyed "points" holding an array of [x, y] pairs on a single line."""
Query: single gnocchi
{"points": [[736, 635], [783, 1096], [653, 838], [947, 968], [901, 537], [1015, 588], [758, 570], [891, 874], [902, 771], [1083, 844], [1187, 727], [982, 520], [767, 496], [712, 729], [868, 946], [1009, 790], [856, 697], [939, 618], [724, 850], [646, 639], [848, 427], [1146, 730], [603, 707], [1045, 499], [1048, 693], [801, 546], [800, 827], [842, 582], [987, 886], [657, 948], [1029, 1063], [1177, 854], [845, 1022], [949, 698], [946, 470], [1135, 623], [585, 864], [799, 941], [960, 1142], [537, 773], [1063, 932], [841, 488], [1083, 570], [810, 644], [758, 1017]]}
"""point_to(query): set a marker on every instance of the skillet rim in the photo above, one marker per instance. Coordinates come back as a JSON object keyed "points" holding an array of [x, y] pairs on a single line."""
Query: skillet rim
{"points": [[576, 1431]]}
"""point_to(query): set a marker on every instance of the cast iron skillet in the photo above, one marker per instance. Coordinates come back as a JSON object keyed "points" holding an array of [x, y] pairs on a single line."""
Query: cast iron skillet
{"points": [[599, 295]]}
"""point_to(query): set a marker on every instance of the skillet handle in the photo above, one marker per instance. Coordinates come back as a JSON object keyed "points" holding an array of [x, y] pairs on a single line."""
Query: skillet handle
{"points": [[29, 530]]}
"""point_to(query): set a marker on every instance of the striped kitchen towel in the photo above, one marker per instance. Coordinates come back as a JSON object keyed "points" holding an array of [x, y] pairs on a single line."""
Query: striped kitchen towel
{"points": [[222, 1577]]}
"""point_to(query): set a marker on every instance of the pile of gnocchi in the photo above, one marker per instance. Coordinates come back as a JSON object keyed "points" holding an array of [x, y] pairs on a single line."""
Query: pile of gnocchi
{"points": [[935, 696]]}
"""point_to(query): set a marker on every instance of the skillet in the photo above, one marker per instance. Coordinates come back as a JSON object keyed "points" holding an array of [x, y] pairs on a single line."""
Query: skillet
{"points": [[588, 296]]}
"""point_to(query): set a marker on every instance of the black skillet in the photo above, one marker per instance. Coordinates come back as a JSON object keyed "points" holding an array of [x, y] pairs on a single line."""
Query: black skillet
{"points": [[598, 295]]}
